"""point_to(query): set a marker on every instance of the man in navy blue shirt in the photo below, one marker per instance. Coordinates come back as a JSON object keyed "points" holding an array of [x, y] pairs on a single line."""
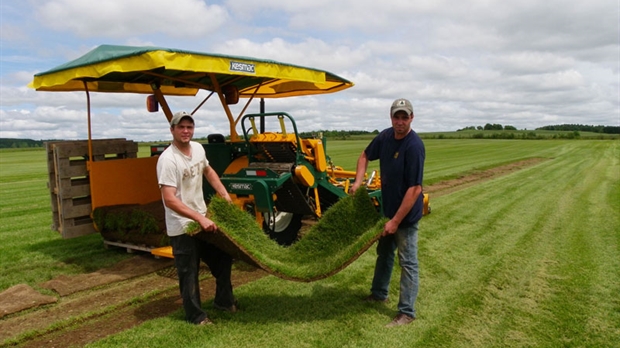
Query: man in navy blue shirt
{"points": [[401, 154]]}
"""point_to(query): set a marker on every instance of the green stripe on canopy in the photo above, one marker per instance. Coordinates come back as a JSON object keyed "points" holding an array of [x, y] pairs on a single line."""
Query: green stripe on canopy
{"points": [[130, 69]]}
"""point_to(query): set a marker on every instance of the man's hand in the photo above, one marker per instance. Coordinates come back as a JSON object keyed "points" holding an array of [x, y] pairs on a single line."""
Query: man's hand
{"points": [[390, 227], [207, 225]]}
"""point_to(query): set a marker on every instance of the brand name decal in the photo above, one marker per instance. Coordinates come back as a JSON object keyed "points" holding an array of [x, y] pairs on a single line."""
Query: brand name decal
{"points": [[243, 67], [241, 186]]}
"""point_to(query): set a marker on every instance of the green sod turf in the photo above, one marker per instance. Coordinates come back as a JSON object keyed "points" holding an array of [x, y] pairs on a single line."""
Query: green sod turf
{"points": [[344, 233]]}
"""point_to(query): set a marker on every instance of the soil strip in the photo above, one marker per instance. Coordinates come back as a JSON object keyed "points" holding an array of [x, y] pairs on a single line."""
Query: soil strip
{"points": [[91, 315], [20, 297], [449, 186], [126, 269]]}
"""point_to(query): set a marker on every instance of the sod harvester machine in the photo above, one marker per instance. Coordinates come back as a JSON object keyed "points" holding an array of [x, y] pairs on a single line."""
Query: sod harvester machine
{"points": [[277, 176]]}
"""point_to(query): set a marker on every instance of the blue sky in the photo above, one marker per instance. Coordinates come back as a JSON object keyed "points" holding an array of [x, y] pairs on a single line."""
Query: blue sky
{"points": [[528, 64]]}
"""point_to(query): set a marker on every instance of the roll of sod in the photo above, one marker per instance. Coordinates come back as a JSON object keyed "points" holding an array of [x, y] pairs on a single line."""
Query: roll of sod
{"points": [[344, 233]]}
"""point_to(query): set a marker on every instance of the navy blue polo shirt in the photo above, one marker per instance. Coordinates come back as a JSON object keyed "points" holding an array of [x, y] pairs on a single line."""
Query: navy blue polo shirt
{"points": [[402, 166]]}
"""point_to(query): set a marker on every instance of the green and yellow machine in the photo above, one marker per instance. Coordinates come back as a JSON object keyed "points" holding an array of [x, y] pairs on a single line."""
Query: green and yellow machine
{"points": [[276, 175]]}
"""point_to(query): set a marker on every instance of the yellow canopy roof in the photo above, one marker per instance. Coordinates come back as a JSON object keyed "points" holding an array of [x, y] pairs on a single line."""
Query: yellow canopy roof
{"points": [[128, 69]]}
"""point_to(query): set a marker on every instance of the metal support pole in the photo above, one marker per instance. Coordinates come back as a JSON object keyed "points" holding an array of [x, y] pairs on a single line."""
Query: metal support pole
{"points": [[90, 141], [262, 118]]}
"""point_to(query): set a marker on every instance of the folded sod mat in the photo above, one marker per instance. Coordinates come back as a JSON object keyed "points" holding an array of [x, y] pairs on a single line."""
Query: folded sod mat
{"points": [[344, 232]]}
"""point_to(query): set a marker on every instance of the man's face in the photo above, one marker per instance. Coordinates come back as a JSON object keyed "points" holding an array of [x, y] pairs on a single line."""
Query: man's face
{"points": [[182, 132], [401, 122]]}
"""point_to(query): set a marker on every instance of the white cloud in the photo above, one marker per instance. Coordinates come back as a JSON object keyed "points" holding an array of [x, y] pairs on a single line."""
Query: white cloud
{"points": [[558, 81], [119, 18], [310, 52], [526, 63]]}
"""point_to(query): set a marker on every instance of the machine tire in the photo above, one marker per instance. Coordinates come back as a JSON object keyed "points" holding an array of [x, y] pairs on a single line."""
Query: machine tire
{"points": [[286, 227]]}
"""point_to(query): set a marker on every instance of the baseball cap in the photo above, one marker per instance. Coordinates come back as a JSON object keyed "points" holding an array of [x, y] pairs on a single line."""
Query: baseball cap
{"points": [[401, 105], [177, 117]]}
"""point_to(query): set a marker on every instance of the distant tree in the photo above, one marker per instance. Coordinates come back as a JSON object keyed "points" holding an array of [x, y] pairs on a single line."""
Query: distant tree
{"points": [[494, 126], [582, 128], [507, 127], [340, 134]]}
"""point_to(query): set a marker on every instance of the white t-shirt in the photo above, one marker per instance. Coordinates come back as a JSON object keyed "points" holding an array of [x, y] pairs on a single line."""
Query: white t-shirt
{"points": [[185, 173]]}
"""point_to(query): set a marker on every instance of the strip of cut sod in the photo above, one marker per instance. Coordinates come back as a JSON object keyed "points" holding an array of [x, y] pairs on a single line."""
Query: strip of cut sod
{"points": [[344, 233]]}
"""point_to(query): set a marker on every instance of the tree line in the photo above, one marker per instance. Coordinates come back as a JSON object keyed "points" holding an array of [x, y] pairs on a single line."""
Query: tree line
{"points": [[336, 134], [559, 127], [583, 128], [11, 143], [488, 126]]}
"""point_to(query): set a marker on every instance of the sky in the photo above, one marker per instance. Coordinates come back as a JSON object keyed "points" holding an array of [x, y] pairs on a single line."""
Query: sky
{"points": [[526, 63]]}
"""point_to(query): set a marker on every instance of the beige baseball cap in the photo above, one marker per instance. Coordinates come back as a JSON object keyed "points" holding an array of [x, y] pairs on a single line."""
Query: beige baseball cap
{"points": [[401, 105], [177, 117]]}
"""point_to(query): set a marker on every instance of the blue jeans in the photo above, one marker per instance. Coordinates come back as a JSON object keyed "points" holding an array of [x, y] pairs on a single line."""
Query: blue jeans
{"points": [[406, 241]]}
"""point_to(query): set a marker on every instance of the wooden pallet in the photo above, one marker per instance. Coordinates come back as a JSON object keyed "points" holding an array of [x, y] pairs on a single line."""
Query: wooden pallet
{"points": [[131, 248], [68, 180]]}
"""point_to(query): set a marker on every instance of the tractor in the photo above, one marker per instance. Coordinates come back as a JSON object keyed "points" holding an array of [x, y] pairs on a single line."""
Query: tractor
{"points": [[277, 176]]}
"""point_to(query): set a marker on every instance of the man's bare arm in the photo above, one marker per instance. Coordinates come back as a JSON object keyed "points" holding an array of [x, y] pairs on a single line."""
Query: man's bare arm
{"points": [[171, 201], [360, 171], [216, 183]]}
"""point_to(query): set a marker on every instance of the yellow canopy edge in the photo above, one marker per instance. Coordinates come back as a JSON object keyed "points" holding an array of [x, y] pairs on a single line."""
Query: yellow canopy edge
{"points": [[183, 73]]}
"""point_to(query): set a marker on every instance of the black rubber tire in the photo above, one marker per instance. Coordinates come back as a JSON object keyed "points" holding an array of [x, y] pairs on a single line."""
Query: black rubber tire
{"points": [[285, 235]]}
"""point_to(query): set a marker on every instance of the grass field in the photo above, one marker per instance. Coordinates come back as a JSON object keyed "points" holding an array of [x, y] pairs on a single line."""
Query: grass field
{"points": [[530, 259]]}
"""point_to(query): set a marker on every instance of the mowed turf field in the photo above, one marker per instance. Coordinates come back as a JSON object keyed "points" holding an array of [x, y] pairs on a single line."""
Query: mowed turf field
{"points": [[528, 259]]}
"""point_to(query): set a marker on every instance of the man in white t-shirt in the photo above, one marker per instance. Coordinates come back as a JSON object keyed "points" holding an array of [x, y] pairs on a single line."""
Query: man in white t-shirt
{"points": [[180, 169]]}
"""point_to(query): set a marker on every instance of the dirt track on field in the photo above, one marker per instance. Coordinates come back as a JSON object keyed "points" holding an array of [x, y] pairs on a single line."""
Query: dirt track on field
{"points": [[89, 313], [93, 314]]}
